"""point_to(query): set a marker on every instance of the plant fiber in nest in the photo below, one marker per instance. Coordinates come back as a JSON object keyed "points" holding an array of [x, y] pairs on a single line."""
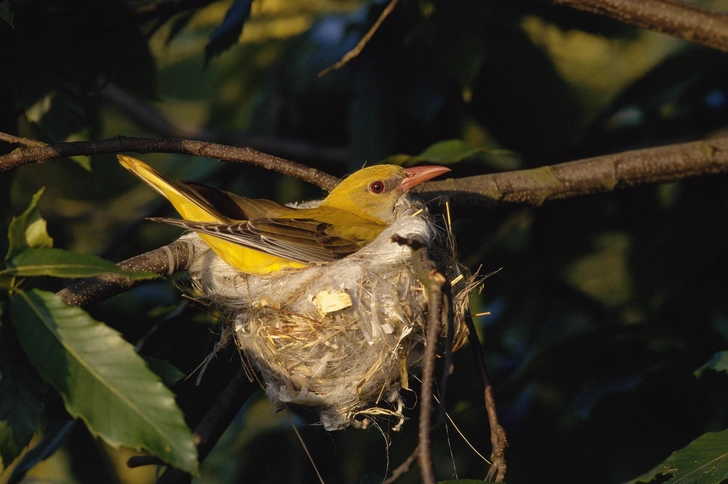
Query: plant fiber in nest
{"points": [[339, 337]]}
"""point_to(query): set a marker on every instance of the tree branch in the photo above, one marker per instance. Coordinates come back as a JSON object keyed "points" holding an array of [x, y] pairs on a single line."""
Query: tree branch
{"points": [[678, 18], [524, 187], [364, 40], [38, 154], [582, 177], [433, 282], [163, 261]]}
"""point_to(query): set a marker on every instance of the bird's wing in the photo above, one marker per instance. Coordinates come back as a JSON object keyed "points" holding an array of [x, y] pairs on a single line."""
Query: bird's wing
{"points": [[302, 240], [234, 206]]}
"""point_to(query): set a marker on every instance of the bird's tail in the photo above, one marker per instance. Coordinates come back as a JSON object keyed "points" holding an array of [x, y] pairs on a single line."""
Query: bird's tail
{"points": [[189, 204]]}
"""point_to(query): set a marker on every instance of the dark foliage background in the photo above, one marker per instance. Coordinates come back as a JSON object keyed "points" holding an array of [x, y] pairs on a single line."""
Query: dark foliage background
{"points": [[605, 306]]}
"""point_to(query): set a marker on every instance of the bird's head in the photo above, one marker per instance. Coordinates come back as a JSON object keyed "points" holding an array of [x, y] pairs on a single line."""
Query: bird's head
{"points": [[372, 192]]}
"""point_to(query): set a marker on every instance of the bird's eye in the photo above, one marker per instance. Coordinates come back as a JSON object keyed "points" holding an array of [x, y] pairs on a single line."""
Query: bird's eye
{"points": [[376, 187]]}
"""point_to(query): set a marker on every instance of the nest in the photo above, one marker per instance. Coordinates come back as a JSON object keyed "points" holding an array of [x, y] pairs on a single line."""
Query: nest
{"points": [[339, 337]]}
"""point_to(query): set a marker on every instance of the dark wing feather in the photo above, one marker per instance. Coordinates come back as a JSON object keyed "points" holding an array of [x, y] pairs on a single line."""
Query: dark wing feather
{"points": [[234, 206], [302, 240]]}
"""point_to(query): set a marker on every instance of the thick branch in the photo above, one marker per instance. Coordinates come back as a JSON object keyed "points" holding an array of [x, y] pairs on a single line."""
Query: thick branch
{"points": [[582, 177], [163, 261], [678, 18], [524, 187], [38, 154]]}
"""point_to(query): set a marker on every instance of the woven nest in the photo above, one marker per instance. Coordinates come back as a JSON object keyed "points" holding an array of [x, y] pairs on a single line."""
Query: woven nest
{"points": [[339, 337]]}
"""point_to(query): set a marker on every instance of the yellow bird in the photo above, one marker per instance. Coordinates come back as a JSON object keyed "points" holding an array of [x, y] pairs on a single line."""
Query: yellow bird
{"points": [[260, 236]]}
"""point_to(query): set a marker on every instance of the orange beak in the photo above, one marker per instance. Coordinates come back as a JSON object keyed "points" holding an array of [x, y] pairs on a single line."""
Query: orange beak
{"points": [[420, 174]]}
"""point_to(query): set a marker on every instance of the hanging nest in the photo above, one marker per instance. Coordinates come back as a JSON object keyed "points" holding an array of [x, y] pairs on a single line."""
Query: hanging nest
{"points": [[339, 337]]}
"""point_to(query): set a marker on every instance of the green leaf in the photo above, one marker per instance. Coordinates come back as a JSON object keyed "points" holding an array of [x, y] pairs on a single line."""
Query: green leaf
{"points": [[62, 263], [648, 476], [101, 378], [449, 151], [704, 461], [165, 370], [719, 362], [5, 13], [28, 229], [21, 398]]}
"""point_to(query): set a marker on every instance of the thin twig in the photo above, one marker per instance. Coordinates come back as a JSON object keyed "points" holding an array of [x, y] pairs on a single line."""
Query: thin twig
{"points": [[678, 18], [498, 439], [364, 40], [404, 467], [38, 154], [447, 364]]}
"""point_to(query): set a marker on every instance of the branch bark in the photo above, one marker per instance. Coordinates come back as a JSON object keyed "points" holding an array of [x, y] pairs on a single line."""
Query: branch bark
{"points": [[163, 261], [530, 187], [34, 153], [583, 177], [433, 282], [678, 18]]}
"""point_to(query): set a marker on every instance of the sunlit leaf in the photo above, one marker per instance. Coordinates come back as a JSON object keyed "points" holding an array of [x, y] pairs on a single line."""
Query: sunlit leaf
{"points": [[62, 263], [28, 229], [101, 378]]}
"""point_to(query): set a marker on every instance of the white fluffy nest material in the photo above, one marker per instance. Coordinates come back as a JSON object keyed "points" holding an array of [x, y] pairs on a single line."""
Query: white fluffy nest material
{"points": [[340, 337]]}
